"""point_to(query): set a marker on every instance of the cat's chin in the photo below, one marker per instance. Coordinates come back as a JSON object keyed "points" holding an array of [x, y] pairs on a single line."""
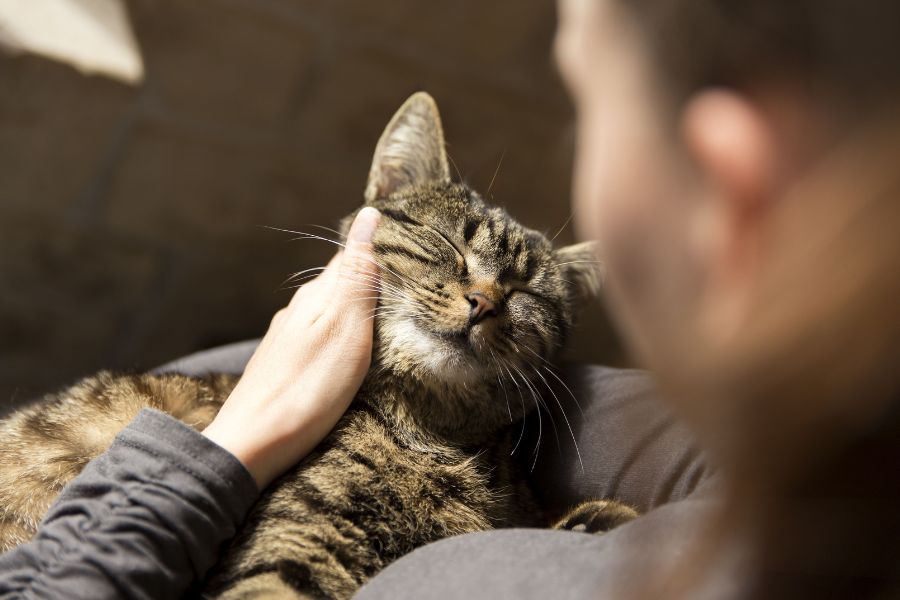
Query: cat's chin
{"points": [[449, 359]]}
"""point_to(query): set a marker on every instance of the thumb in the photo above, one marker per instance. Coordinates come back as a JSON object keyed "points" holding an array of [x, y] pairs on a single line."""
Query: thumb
{"points": [[357, 285]]}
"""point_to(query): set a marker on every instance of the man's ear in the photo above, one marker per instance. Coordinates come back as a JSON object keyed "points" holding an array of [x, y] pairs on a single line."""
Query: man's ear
{"points": [[732, 142], [581, 271], [410, 151]]}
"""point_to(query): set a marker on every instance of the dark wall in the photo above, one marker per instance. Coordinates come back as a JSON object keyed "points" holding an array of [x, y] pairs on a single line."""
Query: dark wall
{"points": [[130, 217]]}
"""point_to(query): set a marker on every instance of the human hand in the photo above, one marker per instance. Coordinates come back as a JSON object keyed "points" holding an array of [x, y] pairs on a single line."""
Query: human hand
{"points": [[309, 365]]}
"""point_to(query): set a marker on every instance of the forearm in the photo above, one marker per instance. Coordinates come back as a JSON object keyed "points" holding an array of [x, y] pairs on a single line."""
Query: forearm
{"points": [[143, 520]]}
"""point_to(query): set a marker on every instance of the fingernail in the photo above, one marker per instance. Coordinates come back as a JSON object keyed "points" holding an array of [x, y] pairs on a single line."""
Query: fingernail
{"points": [[364, 225]]}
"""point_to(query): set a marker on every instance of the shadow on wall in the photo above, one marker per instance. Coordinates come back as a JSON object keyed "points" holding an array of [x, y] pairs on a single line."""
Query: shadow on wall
{"points": [[130, 216]]}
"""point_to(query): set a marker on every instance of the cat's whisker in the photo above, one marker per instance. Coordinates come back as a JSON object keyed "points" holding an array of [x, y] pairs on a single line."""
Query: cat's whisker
{"points": [[542, 403], [387, 294], [522, 401], [539, 404], [459, 176], [373, 286], [565, 417], [500, 383], [377, 284], [496, 171], [300, 235], [381, 311], [381, 283], [334, 231], [572, 395], [373, 317], [294, 276], [580, 262], [548, 366], [561, 229], [303, 235], [403, 311], [522, 404], [401, 314]]}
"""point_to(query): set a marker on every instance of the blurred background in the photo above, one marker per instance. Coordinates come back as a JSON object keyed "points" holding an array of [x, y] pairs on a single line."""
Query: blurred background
{"points": [[143, 144]]}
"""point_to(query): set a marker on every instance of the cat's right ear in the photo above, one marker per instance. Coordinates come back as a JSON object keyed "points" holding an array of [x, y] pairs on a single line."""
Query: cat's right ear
{"points": [[581, 271], [410, 151]]}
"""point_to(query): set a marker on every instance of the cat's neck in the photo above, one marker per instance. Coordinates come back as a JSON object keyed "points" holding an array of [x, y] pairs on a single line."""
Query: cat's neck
{"points": [[433, 413]]}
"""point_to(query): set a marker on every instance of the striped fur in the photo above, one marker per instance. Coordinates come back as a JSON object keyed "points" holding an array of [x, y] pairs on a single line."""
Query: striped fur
{"points": [[424, 451]]}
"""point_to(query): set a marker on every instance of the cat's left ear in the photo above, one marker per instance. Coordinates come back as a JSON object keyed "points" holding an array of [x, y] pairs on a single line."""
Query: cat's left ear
{"points": [[411, 150], [582, 272]]}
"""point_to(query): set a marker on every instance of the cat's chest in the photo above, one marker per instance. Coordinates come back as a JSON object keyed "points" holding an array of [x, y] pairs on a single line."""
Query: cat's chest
{"points": [[364, 475]]}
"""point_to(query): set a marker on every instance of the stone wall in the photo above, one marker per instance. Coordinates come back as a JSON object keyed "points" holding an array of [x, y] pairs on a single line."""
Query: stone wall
{"points": [[131, 218]]}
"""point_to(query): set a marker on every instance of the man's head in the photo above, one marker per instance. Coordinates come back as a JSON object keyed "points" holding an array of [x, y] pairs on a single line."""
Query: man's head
{"points": [[737, 164], [697, 122]]}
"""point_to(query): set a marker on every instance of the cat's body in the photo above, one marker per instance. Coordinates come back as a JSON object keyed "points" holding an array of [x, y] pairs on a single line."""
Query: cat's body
{"points": [[472, 307], [368, 495]]}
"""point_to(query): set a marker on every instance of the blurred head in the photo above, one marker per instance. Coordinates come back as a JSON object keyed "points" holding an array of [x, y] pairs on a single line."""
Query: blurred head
{"points": [[737, 163], [726, 152]]}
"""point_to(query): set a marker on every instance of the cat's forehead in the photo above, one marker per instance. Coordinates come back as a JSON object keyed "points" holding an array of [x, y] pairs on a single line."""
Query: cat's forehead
{"points": [[446, 203], [459, 211]]}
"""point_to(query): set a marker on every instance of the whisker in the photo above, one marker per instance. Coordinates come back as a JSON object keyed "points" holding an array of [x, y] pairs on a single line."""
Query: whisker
{"points": [[522, 432], [578, 262], [566, 418], [496, 171], [303, 272], [459, 176], [500, 383], [548, 366], [334, 231], [569, 220], [538, 403]]}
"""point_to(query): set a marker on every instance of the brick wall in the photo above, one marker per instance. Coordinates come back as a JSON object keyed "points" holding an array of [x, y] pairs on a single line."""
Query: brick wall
{"points": [[129, 217]]}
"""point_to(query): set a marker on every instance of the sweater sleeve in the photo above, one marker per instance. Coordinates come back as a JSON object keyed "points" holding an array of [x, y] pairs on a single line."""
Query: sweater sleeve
{"points": [[143, 520]]}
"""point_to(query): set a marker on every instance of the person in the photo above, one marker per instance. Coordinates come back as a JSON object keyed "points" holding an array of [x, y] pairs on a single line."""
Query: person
{"points": [[736, 162]]}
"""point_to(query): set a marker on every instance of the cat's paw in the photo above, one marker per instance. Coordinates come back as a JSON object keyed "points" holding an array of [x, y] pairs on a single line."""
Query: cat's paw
{"points": [[596, 516]]}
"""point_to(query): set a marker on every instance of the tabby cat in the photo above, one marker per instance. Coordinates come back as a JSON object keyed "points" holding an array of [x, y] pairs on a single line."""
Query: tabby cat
{"points": [[471, 304]]}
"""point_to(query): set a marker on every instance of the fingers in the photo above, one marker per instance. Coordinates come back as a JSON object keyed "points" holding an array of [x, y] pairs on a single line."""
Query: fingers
{"points": [[320, 285], [347, 289], [356, 288]]}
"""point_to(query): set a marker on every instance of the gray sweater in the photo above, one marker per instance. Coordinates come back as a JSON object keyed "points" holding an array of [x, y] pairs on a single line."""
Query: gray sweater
{"points": [[144, 520]]}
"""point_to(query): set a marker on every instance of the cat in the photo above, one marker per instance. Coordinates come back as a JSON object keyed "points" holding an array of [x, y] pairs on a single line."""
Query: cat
{"points": [[471, 304]]}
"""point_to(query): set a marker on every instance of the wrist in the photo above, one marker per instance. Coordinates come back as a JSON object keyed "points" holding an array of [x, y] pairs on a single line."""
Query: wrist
{"points": [[222, 436], [267, 445]]}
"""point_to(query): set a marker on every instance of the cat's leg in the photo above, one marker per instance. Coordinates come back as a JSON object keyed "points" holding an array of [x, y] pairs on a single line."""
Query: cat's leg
{"points": [[297, 542], [596, 516], [306, 561], [300, 578], [270, 586]]}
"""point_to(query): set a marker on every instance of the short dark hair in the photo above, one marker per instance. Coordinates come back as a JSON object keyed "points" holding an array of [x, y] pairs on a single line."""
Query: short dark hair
{"points": [[847, 49]]}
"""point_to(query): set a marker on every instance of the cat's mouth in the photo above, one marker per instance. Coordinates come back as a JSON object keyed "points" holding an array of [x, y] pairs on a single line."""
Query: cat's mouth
{"points": [[458, 337], [469, 340]]}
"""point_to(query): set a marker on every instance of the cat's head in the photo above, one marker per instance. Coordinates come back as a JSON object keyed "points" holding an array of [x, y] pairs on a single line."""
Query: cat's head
{"points": [[469, 297]]}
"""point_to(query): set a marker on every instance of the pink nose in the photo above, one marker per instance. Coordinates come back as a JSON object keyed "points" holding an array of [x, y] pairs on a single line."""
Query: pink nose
{"points": [[482, 307]]}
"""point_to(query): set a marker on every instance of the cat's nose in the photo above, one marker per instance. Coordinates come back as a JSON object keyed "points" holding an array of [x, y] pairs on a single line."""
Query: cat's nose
{"points": [[482, 307]]}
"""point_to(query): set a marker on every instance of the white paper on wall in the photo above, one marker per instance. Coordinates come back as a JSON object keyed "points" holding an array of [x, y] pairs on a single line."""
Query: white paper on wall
{"points": [[94, 36]]}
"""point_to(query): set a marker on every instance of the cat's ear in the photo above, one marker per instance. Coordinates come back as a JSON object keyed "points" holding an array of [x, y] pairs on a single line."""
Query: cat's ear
{"points": [[410, 151], [582, 272]]}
